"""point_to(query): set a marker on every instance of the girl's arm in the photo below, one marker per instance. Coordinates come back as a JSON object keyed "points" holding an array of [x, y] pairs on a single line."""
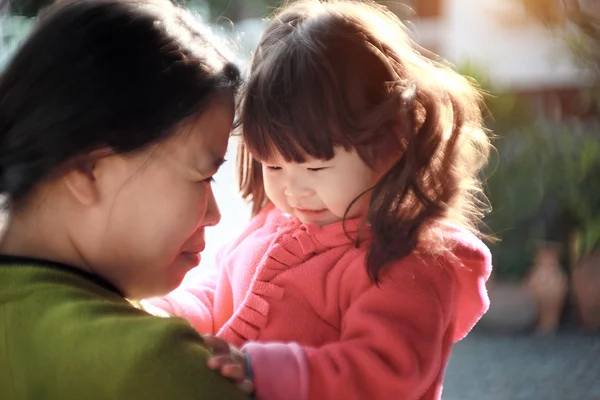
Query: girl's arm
{"points": [[395, 338], [194, 300]]}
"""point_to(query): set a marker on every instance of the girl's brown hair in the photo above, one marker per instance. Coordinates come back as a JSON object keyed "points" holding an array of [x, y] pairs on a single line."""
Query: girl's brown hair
{"points": [[346, 73]]}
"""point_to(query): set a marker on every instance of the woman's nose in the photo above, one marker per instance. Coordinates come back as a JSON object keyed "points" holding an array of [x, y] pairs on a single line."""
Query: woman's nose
{"points": [[212, 215]]}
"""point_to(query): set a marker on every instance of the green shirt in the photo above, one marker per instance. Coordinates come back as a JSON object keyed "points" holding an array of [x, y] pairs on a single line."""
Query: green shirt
{"points": [[67, 335]]}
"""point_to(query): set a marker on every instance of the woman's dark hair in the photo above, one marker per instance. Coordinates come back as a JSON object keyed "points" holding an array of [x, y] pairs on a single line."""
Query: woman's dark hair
{"points": [[102, 74], [345, 73]]}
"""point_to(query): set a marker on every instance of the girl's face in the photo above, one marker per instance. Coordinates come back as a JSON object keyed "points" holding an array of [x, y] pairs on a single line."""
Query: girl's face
{"points": [[146, 230], [319, 192]]}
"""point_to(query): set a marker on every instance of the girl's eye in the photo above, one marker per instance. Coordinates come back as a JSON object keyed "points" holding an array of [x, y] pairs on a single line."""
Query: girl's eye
{"points": [[273, 168], [317, 169]]}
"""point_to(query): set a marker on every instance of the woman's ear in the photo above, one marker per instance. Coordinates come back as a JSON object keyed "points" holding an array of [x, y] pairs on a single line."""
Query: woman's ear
{"points": [[81, 181]]}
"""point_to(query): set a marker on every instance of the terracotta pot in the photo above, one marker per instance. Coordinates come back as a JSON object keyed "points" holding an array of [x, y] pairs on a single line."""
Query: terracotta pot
{"points": [[549, 286], [585, 283], [513, 309]]}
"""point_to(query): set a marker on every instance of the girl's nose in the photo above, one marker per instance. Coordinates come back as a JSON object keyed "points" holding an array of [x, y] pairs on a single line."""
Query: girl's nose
{"points": [[297, 188]]}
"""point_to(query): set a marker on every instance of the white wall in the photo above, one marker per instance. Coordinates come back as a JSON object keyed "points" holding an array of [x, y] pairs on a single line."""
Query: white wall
{"points": [[496, 35]]}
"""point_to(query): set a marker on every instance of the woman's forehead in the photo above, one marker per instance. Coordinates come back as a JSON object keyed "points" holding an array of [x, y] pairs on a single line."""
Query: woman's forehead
{"points": [[203, 140]]}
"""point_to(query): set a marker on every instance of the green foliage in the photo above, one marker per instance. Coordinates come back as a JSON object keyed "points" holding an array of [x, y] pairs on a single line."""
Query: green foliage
{"points": [[28, 8], [14, 30], [504, 111], [238, 10], [583, 37], [230, 9], [545, 186], [543, 180]]}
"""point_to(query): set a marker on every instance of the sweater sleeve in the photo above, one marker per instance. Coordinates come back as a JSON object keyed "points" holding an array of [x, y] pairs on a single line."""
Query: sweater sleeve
{"points": [[93, 344], [195, 300], [395, 339], [168, 362]]}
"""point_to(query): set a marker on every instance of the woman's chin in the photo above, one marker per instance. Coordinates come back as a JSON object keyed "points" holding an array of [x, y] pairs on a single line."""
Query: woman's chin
{"points": [[192, 259], [177, 271]]}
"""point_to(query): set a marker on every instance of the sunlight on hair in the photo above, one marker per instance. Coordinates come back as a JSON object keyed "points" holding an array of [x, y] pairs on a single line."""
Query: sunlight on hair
{"points": [[348, 74]]}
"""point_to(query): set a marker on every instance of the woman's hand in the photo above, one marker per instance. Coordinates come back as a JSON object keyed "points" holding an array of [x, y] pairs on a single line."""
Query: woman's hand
{"points": [[230, 361]]}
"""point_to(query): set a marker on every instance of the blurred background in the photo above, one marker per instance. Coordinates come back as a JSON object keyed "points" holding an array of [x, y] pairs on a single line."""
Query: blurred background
{"points": [[538, 61]]}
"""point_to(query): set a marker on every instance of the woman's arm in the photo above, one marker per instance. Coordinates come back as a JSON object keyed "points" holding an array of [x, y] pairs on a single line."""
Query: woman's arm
{"points": [[167, 361]]}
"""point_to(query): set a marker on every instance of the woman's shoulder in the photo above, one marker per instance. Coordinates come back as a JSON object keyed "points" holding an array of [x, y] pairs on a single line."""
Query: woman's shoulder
{"points": [[144, 356], [62, 326], [162, 357]]}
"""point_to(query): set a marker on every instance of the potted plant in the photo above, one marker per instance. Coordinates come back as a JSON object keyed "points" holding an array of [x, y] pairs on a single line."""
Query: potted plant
{"points": [[581, 200]]}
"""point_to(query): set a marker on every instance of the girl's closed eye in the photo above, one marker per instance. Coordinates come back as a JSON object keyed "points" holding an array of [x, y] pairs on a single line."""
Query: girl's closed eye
{"points": [[317, 169], [273, 168]]}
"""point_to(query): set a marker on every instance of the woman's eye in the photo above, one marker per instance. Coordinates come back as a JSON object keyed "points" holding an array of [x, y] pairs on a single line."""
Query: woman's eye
{"points": [[273, 168], [317, 169]]}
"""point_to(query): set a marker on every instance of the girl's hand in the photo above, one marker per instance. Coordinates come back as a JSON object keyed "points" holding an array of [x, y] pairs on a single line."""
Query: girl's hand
{"points": [[230, 362]]}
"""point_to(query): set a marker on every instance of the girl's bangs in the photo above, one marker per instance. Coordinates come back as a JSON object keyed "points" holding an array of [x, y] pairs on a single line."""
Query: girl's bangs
{"points": [[290, 119], [322, 89], [297, 106]]}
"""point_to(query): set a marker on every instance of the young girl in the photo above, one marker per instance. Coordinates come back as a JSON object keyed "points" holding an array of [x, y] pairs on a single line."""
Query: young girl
{"points": [[114, 116], [360, 267]]}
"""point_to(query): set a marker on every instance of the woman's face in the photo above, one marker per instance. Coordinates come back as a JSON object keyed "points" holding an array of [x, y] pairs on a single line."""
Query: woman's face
{"points": [[147, 230]]}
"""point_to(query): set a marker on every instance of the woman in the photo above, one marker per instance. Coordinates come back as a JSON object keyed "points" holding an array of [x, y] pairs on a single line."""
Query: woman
{"points": [[114, 116]]}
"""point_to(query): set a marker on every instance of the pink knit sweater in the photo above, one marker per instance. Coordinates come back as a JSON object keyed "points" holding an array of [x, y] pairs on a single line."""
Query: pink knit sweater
{"points": [[298, 299]]}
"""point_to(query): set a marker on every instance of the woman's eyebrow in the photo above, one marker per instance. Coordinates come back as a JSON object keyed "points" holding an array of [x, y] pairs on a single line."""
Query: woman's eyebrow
{"points": [[213, 167]]}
